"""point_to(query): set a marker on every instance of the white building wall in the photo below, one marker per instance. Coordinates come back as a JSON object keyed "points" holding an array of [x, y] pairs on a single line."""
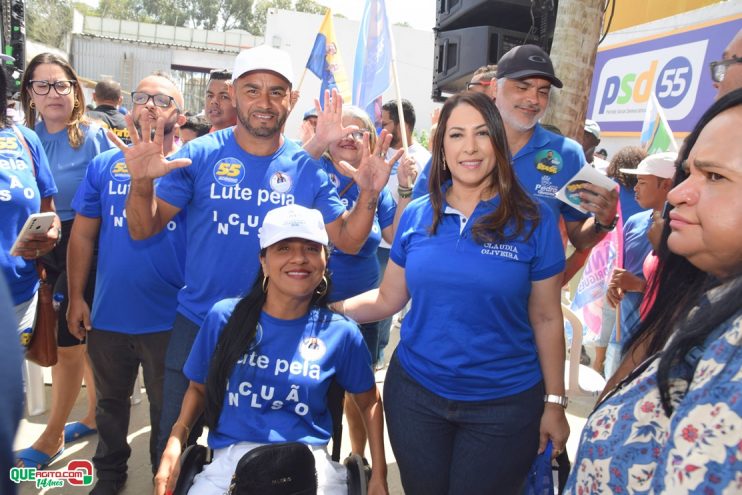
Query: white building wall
{"points": [[295, 32]]}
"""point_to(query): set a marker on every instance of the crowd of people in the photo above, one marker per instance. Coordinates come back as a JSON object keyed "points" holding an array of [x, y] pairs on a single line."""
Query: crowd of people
{"points": [[258, 271]]}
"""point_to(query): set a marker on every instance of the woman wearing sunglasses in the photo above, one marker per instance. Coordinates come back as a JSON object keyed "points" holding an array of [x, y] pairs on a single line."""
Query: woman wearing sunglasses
{"points": [[54, 106]]}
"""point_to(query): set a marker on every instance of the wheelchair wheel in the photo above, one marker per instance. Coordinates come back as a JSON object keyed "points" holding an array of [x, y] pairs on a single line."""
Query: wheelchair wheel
{"points": [[357, 480]]}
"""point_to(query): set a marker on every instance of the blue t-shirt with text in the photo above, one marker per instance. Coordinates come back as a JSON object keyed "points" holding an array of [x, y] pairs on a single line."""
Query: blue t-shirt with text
{"points": [[226, 193], [467, 335], [21, 190], [277, 392], [353, 274], [137, 282]]}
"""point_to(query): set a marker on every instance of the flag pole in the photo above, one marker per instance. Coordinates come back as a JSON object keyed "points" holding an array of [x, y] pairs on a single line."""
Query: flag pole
{"points": [[400, 112], [301, 80]]}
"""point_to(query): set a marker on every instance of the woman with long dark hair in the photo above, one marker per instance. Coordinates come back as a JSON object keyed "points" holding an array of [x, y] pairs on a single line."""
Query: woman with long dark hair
{"points": [[674, 425], [261, 366], [54, 106], [482, 347]]}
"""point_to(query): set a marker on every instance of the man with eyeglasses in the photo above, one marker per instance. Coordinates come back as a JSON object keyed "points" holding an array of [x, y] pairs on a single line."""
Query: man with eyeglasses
{"points": [[218, 106], [136, 288], [727, 73], [226, 182]]}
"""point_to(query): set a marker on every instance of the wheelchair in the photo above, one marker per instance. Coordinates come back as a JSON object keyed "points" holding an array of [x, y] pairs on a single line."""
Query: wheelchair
{"points": [[285, 477]]}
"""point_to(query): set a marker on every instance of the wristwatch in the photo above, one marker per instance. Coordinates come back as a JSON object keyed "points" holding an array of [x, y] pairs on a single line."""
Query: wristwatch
{"points": [[562, 400], [599, 227]]}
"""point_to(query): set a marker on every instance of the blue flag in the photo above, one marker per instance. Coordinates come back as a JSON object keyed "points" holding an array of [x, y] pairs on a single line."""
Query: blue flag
{"points": [[372, 69], [325, 61]]}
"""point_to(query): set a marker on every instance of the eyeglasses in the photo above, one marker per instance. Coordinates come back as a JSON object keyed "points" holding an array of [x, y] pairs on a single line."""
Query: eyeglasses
{"points": [[160, 100], [42, 88], [471, 85], [719, 68], [357, 135]]}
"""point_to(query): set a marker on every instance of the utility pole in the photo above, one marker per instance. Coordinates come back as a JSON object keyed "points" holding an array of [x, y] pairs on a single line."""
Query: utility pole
{"points": [[576, 36]]}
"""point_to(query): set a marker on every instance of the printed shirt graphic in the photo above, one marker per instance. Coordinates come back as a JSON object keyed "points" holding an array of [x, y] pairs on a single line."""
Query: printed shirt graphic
{"points": [[20, 196], [226, 193], [467, 335], [137, 282], [629, 445], [353, 274], [278, 391], [545, 164]]}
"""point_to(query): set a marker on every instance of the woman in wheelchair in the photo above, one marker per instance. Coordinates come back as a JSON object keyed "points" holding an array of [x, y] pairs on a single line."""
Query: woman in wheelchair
{"points": [[261, 366]]}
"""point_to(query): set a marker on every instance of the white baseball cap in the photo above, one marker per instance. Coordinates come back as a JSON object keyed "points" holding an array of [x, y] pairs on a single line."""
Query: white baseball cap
{"points": [[660, 165], [263, 57], [291, 221]]}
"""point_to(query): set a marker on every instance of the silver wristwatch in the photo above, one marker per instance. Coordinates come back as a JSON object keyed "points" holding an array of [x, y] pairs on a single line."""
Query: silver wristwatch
{"points": [[562, 400]]}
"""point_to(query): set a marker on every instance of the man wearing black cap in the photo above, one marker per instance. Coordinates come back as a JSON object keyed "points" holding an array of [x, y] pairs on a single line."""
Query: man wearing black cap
{"points": [[525, 76]]}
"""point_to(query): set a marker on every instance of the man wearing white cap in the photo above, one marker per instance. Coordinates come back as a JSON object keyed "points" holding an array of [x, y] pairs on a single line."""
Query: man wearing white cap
{"points": [[654, 181], [227, 182]]}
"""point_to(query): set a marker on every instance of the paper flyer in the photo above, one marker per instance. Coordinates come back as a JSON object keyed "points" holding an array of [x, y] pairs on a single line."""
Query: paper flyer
{"points": [[571, 190]]}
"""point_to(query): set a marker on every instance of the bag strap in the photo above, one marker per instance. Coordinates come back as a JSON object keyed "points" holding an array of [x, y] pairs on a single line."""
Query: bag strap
{"points": [[346, 188], [22, 139]]}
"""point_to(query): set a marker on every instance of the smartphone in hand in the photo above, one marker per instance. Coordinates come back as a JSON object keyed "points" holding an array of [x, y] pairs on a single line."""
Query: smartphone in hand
{"points": [[36, 223]]}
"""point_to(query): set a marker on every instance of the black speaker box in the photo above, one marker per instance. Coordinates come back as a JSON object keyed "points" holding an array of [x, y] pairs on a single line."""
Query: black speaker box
{"points": [[13, 42], [506, 14], [460, 52]]}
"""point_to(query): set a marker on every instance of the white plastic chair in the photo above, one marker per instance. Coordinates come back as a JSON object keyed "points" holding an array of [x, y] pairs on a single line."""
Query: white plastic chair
{"points": [[583, 383]]}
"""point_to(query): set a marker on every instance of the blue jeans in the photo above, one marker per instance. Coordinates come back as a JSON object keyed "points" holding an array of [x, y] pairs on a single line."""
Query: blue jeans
{"points": [[175, 383], [382, 255], [453, 447]]}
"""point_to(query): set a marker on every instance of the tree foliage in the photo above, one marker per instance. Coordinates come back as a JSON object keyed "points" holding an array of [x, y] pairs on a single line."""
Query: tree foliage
{"points": [[48, 21]]}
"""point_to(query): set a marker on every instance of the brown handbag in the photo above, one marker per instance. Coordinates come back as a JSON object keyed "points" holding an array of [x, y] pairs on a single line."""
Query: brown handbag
{"points": [[42, 349]]}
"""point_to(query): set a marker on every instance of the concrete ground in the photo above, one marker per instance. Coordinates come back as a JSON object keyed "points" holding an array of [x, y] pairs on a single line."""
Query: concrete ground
{"points": [[140, 477]]}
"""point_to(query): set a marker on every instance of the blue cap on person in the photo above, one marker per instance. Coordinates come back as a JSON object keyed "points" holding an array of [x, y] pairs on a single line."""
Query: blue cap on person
{"points": [[263, 57], [293, 221]]}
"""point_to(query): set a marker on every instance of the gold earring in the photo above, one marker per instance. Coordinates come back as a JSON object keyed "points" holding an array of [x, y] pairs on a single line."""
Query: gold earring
{"points": [[265, 283], [321, 289], [76, 104], [443, 160], [32, 105]]}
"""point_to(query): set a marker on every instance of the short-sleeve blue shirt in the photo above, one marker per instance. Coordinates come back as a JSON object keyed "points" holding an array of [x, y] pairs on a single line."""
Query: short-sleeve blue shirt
{"points": [[353, 274], [227, 192], [68, 164], [467, 335], [137, 282], [277, 391], [21, 190]]}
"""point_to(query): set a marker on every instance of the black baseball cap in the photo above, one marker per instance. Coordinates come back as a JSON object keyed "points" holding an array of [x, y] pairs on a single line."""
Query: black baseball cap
{"points": [[526, 61]]}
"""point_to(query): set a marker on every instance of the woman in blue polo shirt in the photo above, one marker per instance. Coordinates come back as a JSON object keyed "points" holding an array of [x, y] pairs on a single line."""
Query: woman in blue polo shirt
{"points": [[475, 388], [261, 366]]}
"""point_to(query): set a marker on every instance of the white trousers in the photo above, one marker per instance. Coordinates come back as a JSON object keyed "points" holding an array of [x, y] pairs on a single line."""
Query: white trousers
{"points": [[332, 477]]}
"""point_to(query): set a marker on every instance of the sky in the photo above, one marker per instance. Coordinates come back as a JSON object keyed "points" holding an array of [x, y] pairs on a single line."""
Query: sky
{"points": [[419, 14]]}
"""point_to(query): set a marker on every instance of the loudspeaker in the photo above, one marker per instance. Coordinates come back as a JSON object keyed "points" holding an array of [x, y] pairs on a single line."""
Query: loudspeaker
{"points": [[14, 42], [473, 33], [460, 52], [506, 14]]}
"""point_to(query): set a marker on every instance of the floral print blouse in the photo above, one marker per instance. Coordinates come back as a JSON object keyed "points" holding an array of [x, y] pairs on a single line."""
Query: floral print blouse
{"points": [[630, 446]]}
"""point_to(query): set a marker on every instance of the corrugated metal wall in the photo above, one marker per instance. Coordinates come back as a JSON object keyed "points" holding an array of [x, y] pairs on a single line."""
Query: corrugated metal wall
{"points": [[125, 62]]}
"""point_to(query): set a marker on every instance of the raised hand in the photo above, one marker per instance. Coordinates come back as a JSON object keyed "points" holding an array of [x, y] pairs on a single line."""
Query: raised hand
{"points": [[330, 119], [407, 171], [373, 172], [145, 158]]}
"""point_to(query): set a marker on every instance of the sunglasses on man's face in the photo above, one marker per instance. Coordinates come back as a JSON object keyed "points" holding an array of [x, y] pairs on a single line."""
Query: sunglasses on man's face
{"points": [[473, 85], [719, 68]]}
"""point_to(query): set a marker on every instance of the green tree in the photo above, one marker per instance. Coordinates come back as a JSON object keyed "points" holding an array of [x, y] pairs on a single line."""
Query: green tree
{"points": [[48, 21], [260, 12]]}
